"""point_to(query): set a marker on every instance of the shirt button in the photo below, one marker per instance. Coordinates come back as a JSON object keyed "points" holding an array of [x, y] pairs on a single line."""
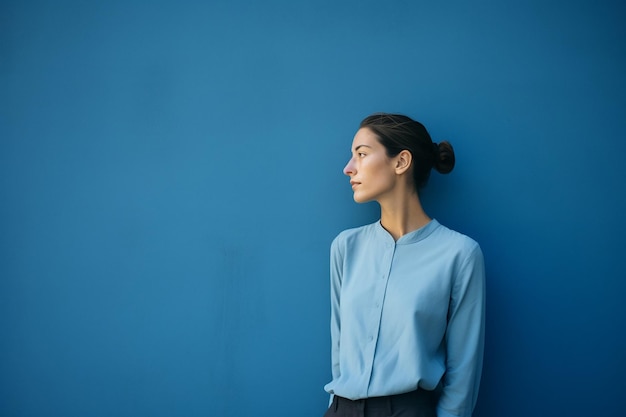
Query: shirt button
{"points": [[370, 338]]}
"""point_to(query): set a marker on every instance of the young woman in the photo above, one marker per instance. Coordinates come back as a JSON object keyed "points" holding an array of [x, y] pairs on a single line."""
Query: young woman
{"points": [[407, 293]]}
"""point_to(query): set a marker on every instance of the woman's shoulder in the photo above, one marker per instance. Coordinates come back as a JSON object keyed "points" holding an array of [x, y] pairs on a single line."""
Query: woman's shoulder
{"points": [[354, 233], [454, 239]]}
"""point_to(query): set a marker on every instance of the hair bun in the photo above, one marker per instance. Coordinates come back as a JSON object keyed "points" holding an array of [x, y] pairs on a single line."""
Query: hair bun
{"points": [[444, 157]]}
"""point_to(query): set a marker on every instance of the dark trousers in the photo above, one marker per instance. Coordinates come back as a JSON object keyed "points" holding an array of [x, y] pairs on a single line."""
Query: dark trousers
{"points": [[420, 403]]}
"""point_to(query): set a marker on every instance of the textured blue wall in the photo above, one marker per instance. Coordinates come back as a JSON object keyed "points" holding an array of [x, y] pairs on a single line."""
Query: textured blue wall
{"points": [[170, 182]]}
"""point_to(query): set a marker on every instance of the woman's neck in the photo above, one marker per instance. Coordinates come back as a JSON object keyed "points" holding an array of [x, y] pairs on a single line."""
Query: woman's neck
{"points": [[403, 215]]}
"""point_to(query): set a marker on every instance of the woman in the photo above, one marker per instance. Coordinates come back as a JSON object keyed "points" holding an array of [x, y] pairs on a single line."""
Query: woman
{"points": [[407, 294]]}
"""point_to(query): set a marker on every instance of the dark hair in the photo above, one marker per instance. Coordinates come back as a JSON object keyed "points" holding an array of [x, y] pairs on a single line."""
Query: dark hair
{"points": [[397, 133]]}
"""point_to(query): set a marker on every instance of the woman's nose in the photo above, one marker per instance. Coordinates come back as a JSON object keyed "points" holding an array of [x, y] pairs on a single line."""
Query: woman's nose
{"points": [[349, 168]]}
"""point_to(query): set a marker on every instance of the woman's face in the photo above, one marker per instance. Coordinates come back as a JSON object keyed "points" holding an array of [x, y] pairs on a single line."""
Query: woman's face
{"points": [[372, 173]]}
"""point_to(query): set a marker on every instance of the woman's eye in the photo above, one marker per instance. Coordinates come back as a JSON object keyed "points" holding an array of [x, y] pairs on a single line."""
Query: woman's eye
{"points": [[361, 154]]}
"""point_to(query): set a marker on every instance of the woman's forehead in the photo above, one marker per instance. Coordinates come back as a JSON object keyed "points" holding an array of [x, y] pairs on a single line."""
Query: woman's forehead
{"points": [[364, 137]]}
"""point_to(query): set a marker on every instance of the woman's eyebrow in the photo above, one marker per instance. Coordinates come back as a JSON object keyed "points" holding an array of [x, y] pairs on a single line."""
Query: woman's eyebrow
{"points": [[360, 146]]}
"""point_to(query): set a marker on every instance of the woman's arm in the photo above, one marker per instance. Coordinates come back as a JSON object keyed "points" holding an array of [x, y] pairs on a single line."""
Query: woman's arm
{"points": [[336, 268], [464, 339]]}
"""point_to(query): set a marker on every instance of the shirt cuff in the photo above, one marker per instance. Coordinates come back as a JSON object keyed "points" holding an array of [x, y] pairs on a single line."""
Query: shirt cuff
{"points": [[443, 413]]}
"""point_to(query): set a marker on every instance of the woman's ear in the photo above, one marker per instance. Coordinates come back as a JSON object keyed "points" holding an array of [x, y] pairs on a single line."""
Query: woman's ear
{"points": [[403, 161]]}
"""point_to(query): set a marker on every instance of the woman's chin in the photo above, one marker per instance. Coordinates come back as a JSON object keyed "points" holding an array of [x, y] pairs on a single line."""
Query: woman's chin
{"points": [[361, 198]]}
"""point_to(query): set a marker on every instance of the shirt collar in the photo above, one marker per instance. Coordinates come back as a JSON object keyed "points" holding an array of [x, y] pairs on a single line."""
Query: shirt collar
{"points": [[411, 237]]}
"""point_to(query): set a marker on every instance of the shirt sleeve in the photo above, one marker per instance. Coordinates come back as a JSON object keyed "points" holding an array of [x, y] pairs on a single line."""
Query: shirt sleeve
{"points": [[465, 336], [336, 268]]}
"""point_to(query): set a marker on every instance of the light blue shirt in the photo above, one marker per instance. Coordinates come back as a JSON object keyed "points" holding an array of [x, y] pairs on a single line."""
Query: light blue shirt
{"points": [[406, 314]]}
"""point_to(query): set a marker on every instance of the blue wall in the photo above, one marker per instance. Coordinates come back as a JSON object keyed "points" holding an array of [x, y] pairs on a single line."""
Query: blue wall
{"points": [[170, 182]]}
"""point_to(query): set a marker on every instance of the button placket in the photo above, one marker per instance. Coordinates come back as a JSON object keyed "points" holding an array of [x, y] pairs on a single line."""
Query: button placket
{"points": [[380, 298], [379, 302]]}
